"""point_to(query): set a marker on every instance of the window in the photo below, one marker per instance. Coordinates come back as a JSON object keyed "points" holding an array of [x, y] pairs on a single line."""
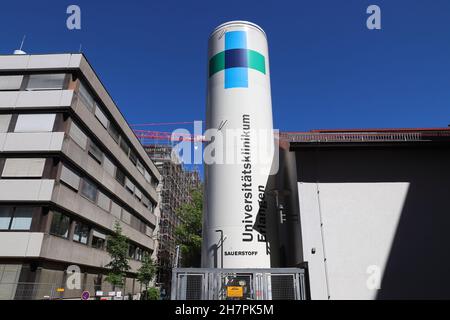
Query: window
{"points": [[124, 146], [5, 119], [15, 218], [133, 157], [138, 255], [135, 222], [98, 240], [116, 210], [78, 136], [70, 178], [22, 219], [109, 166], [89, 190], [5, 218], [86, 97], [15, 168], [129, 185], [46, 82], [60, 225], [35, 123], [138, 194], [147, 176], [114, 132], [95, 152], [142, 227], [100, 115], [140, 167], [145, 201], [126, 216], [131, 250], [120, 176], [148, 231], [10, 82], [81, 233], [103, 201]]}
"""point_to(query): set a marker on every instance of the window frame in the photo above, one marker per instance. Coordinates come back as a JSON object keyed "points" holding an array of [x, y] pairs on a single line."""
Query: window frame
{"points": [[63, 217], [12, 88], [84, 228], [43, 88], [13, 211], [48, 128], [9, 213], [87, 182], [114, 132], [95, 152], [103, 246], [120, 175]]}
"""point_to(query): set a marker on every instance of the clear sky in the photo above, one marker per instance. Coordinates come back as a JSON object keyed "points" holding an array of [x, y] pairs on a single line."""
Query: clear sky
{"points": [[327, 69]]}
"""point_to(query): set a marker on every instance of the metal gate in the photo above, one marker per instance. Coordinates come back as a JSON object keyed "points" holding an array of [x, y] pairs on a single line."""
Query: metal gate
{"points": [[28, 291], [238, 284]]}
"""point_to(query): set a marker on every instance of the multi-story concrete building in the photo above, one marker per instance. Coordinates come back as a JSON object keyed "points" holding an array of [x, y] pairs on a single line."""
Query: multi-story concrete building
{"points": [[70, 167], [176, 186]]}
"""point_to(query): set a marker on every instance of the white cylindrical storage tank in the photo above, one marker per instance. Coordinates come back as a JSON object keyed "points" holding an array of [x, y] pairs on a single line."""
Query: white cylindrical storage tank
{"points": [[239, 117]]}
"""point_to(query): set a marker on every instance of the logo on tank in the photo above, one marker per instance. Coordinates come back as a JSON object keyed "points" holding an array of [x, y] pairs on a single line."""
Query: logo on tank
{"points": [[236, 59]]}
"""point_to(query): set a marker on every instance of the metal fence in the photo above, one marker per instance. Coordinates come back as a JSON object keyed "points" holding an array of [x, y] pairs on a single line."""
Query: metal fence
{"points": [[354, 137], [238, 284], [28, 291]]}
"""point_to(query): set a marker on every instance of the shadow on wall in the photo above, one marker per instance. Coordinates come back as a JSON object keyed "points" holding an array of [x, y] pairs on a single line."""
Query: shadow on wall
{"points": [[278, 216], [418, 262]]}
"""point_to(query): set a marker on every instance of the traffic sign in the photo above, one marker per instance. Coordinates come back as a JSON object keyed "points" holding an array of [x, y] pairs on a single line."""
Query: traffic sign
{"points": [[85, 295]]}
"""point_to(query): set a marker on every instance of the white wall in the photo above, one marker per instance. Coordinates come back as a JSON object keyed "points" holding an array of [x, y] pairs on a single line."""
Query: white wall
{"points": [[26, 189], [359, 224], [20, 244]]}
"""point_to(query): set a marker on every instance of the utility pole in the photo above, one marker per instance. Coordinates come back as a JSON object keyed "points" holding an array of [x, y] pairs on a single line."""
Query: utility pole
{"points": [[177, 255]]}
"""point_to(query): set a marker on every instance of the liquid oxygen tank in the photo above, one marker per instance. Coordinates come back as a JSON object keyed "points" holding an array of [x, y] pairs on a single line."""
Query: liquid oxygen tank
{"points": [[241, 147]]}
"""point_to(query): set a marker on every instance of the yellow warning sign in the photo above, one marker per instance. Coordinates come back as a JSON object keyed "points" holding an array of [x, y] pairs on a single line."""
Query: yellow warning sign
{"points": [[235, 292]]}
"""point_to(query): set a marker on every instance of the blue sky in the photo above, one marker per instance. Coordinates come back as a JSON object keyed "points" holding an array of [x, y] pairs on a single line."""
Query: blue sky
{"points": [[328, 70]]}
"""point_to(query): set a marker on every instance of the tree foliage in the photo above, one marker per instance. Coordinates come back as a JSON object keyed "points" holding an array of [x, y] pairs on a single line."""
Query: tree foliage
{"points": [[147, 271], [153, 293], [189, 232], [117, 247]]}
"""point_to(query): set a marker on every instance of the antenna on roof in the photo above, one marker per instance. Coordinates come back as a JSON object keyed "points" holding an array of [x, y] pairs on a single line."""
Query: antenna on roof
{"points": [[19, 51]]}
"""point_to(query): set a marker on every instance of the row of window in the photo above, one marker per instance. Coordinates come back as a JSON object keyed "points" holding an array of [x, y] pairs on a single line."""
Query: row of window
{"points": [[32, 82], [89, 190], [57, 82], [45, 123], [34, 167], [28, 122], [81, 139], [61, 224], [93, 106]]}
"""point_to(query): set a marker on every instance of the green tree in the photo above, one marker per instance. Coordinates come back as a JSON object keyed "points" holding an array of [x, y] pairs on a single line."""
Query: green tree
{"points": [[117, 247], [189, 232], [153, 293], [147, 271]]}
